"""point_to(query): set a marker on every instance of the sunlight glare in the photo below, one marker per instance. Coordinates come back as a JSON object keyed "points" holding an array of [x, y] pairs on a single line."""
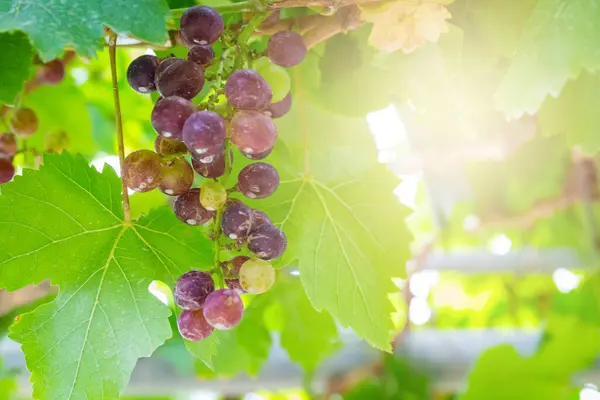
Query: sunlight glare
{"points": [[500, 244], [565, 280], [419, 311]]}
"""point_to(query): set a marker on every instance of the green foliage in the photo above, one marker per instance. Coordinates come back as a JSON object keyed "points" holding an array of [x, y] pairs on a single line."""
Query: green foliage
{"points": [[16, 57]]}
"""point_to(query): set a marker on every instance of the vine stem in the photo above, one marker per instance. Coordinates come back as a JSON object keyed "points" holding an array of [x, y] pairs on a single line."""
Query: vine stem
{"points": [[221, 8], [245, 34], [112, 50], [217, 233]]}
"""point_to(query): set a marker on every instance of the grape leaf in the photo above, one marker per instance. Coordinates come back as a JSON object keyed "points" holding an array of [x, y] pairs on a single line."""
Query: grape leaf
{"points": [[85, 343], [559, 41], [52, 26], [15, 58]]}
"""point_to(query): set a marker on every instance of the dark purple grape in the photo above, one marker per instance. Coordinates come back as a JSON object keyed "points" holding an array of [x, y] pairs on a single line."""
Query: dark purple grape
{"points": [[286, 48], [164, 146], [214, 169], [181, 78], [223, 309], [253, 133], [7, 170], [237, 220], [232, 273], [169, 115], [204, 134], [267, 242], [163, 65], [279, 109], [201, 54], [192, 288], [258, 180], [188, 209], [260, 219], [51, 73], [24, 122], [8, 145], [193, 326], [178, 177], [141, 73], [247, 90], [201, 25], [143, 170]]}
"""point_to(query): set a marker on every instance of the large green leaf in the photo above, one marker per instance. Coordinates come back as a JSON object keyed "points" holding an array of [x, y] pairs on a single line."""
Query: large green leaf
{"points": [[54, 25], [15, 58], [85, 343]]}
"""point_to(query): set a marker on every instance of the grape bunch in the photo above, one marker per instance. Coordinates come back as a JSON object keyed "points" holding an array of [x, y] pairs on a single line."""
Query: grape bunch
{"points": [[206, 106]]}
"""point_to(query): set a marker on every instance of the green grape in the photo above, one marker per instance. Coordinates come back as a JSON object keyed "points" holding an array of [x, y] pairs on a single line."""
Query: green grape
{"points": [[212, 195], [276, 76], [256, 276]]}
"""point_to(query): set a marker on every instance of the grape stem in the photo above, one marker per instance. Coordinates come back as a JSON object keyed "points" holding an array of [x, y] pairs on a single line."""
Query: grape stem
{"points": [[112, 49], [242, 6], [245, 34], [217, 233]]}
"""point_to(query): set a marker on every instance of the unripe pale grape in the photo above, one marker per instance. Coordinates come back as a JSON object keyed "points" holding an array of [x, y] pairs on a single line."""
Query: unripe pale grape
{"points": [[181, 78], [192, 288], [143, 170], [201, 25], [223, 309], [8, 145], [188, 209], [232, 273], [24, 122], [169, 115], [277, 77], [164, 146], [253, 133], [267, 242], [258, 180], [7, 170], [56, 142], [213, 195], [178, 177], [237, 220], [279, 109], [257, 276], [204, 134], [141, 73], [286, 48], [201, 54], [193, 326], [247, 90], [51, 73]]}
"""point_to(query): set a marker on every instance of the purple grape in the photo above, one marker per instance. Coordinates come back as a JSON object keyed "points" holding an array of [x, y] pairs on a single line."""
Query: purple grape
{"points": [[201, 25], [169, 115], [193, 326], [141, 73], [192, 288], [51, 73], [164, 146], [258, 180], [143, 170], [204, 134], [201, 54], [24, 122], [258, 156], [178, 177], [232, 273], [188, 209], [279, 109], [8, 145], [181, 78], [253, 133], [247, 90], [214, 169], [223, 309], [286, 48], [163, 65], [267, 242], [237, 220], [259, 218], [7, 170]]}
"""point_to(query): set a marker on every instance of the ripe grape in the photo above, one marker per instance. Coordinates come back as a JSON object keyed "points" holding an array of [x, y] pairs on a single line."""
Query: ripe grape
{"points": [[7, 170], [223, 309], [188, 209], [8, 145], [201, 54], [276, 76], [181, 78], [164, 146], [214, 169], [232, 273], [141, 73], [201, 25], [259, 219], [213, 195], [24, 122], [257, 276], [237, 220], [258, 180], [178, 177], [204, 134], [286, 48], [253, 133], [246, 89], [143, 170], [192, 288], [51, 73], [279, 109], [193, 326], [258, 156], [169, 115], [162, 65], [267, 242]]}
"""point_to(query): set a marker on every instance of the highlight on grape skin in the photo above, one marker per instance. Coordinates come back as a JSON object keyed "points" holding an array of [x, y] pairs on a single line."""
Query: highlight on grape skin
{"points": [[252, 132], [247, 90], [192, 288], [178, 177], [223, 309], [188, 209], [256, 276], [237, 220], [192, 325], [258, 180], [143, 170]]}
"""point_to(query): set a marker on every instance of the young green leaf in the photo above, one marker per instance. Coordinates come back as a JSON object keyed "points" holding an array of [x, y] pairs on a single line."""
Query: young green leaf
{"points": [[15, 58]]}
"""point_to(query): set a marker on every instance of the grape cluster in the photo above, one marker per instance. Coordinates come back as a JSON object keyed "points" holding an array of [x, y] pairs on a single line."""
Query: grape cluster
{"points": [[250, 99]]}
